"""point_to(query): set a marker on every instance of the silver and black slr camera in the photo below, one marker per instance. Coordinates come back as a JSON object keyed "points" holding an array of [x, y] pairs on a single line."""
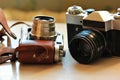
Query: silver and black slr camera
{"points": [[92, 35]]}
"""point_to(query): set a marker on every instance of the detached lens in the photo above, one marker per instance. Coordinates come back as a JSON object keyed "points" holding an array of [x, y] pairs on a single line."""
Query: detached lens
{"points": [[87, 46]]}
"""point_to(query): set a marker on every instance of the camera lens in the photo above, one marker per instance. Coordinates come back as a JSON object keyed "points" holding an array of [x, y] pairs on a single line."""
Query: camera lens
{"points": [[87, 46], [43, 28]]}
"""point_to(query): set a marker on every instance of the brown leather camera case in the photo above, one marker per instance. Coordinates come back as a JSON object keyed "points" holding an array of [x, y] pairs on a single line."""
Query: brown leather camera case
{"points": [[35, 51]]}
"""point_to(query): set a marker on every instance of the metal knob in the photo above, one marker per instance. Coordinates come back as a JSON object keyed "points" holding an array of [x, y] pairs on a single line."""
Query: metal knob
{"points": [[118, 10], [62, 53], [117, 16], [75, 10]]}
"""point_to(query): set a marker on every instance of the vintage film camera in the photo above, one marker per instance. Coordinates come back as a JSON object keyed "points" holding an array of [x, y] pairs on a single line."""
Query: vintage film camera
{"points": [[94, 35], [42, 45]]}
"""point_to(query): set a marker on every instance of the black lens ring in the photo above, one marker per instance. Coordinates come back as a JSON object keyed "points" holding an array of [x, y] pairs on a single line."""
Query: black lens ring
{"points": [[98, 39], [74, 54], [48, 18], [92, 42], [88, 38]]}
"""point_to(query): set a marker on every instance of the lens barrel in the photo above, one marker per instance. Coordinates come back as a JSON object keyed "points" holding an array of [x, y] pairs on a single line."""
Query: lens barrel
{"points": [[43, 28], [87, 46]]}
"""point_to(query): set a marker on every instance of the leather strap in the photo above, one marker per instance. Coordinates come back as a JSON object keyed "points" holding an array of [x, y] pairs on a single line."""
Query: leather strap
{"points": [[7, 53], [20, 23], [4, 24]]}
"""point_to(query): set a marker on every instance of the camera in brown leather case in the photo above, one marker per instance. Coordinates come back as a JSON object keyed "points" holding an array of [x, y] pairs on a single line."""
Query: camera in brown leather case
{"points": [[42, 45]]}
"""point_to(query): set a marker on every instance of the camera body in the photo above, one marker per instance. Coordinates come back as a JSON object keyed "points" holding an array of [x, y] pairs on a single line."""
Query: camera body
{"points": [[98, 35], [42, 43], [74, 20], [109, 26]]}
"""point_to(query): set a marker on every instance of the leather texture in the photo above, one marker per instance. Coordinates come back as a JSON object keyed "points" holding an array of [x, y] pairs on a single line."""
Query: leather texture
{"points": [[5, 52], [35, 51]]}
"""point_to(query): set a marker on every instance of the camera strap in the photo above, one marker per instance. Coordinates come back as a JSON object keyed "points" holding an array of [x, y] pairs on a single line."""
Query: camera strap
{"points": [[7, 53]]}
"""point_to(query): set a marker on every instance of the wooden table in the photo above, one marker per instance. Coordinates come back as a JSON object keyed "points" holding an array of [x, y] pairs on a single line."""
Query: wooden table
{"points": [[67, 69]]}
